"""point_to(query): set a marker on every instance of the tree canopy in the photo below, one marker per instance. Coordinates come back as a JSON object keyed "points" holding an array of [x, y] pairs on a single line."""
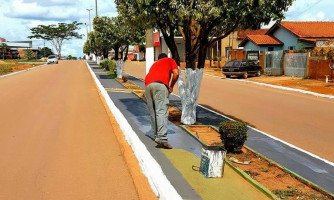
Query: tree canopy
{"points": [[200, 22], [45, 52], [56, 34], [112, 33]]}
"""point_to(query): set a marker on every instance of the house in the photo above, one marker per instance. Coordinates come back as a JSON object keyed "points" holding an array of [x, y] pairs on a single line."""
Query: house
{"points": [[291, 35], [217, 55], [261, 43]]}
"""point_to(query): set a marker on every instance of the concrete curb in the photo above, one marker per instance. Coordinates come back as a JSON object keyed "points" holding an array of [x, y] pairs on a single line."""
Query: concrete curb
{"points": [[151, 169], [287, 89], [249, 179], [18, 72], [301, 179], [279, 87]]}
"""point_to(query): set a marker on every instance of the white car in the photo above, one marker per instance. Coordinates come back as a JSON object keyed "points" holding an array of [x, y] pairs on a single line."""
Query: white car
{"points": [[52, 59]]}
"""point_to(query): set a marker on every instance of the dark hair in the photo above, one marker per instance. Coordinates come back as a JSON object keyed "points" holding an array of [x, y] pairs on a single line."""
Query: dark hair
{"points": [[162, 55]]}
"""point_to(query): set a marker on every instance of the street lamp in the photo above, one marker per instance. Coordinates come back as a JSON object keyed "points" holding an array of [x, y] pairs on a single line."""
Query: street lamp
{"points": [[90, 23], [96, 8]]}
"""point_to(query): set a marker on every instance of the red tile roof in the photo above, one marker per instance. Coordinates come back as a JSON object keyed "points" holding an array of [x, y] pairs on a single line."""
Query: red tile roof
{"points": [[242, 34], [261, 40], [318, 29]]}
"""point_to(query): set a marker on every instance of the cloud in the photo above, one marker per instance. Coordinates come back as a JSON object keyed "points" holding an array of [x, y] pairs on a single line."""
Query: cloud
{"points": [[29, 10], [47, 3], [312, 10]]}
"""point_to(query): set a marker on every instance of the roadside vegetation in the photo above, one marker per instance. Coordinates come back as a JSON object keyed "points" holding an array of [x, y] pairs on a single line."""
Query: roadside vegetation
{"points": [[9, 66], [110, 67]]}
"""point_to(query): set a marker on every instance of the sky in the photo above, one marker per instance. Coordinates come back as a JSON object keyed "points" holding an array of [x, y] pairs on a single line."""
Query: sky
{"points": [[17, 17]]}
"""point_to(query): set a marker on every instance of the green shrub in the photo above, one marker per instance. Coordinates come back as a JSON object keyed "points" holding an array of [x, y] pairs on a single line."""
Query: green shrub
{"points": [[29, 54], [5, 69], [233, 134], [108, 65]]}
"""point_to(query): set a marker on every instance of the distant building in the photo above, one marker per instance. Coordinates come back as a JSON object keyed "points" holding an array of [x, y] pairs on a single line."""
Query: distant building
{"points": [[291, 35], [15, 49]]}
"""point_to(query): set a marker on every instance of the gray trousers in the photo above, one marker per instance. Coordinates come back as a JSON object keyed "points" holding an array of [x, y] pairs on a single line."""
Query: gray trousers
{"points": [[157, 102]]}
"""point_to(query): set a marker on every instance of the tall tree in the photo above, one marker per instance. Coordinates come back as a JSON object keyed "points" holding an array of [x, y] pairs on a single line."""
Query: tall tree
{"points": [[201, 23], [56, 34], [114, 33], [45, 52]]}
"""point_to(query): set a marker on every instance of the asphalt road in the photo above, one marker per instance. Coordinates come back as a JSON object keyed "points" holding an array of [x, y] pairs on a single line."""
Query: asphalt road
{"points": [[302, 120], [56, 139]]}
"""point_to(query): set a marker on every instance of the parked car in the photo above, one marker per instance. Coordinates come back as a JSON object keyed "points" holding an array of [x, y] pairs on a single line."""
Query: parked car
{"points": [[52, 59], [242, 68]]}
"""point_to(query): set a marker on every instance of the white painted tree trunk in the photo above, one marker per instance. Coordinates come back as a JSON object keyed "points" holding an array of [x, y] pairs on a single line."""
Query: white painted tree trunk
{"points": [[98, 60], [189, 86], [119, 68]]}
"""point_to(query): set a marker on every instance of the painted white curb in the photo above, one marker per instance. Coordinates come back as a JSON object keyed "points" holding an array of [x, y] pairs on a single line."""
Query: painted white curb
{"points": [[262, 132], [19, 72], [279, 87], [287, 89], [152, 170]]}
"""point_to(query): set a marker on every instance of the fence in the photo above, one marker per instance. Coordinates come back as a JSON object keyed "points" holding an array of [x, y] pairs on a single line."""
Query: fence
{"points": [[295, 64], [273, 61], [319, 69]]}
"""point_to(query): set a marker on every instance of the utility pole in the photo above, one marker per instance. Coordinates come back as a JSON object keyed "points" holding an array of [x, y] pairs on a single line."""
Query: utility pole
{"points": [[90, 23], [86, 29], [96, 8]]}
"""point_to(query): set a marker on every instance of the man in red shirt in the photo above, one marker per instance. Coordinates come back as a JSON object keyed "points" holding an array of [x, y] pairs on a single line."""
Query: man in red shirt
{"points": [[159, 84]]}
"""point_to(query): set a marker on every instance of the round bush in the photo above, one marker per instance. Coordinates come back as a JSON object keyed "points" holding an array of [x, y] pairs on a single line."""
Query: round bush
{"points": [[233, 134], [108, 65]]}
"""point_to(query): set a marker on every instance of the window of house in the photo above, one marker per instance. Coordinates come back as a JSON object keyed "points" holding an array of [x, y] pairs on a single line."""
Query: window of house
{"points": [[291, 48], [270, 48]]}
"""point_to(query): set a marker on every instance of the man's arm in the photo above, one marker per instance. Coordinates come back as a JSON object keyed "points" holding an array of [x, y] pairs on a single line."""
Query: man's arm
{"points": [[175, 76]]}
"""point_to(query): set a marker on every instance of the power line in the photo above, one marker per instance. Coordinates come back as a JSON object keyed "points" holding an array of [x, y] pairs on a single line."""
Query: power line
{"points": [[303, 11]]}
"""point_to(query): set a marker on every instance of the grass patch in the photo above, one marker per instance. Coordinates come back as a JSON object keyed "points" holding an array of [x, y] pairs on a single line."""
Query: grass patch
{"points": [[5, 69], [32, 60], [285, 194]]}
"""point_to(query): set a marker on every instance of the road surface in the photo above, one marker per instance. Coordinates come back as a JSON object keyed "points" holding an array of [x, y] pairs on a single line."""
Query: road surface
{"points": [[302, 120], [56, 140]]}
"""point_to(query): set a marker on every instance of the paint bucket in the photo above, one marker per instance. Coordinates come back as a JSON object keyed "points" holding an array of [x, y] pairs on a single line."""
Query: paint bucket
{"points": [[212, 162]]}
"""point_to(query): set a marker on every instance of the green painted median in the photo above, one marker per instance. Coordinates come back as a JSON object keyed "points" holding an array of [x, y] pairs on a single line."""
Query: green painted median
{"points": [[231, 187]]}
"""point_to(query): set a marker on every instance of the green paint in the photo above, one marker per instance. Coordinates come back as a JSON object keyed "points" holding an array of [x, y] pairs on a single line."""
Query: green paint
{"points": [[231, 187]]}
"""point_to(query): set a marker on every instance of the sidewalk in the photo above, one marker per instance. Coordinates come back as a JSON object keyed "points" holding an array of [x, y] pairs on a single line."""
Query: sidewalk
{"points": [[183, 179]]}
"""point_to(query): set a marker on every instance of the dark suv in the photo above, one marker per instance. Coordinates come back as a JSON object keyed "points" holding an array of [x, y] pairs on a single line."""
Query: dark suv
{"points": [[242, 68]]}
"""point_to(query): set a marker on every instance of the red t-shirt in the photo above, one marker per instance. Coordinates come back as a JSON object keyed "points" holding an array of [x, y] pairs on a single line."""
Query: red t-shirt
{"points": [[161, 71]]}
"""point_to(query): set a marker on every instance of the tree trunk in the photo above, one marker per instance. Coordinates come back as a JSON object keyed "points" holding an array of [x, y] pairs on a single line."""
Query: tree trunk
{"points": [[202, 52], [126, 53], [189, 87], [105, 53], [190, 83], [116, 52], [170, 41]]}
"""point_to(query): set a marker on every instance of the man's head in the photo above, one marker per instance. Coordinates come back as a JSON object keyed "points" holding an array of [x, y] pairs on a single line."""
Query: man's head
{"points": [[162, 55]]}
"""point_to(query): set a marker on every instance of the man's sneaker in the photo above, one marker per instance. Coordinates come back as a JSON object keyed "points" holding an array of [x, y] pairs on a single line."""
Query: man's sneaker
{"points": [[164, 145]]}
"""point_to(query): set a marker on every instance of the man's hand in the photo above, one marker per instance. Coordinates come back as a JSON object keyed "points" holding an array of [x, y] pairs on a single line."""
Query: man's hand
{"points": [[175, 76], [170, 89]]}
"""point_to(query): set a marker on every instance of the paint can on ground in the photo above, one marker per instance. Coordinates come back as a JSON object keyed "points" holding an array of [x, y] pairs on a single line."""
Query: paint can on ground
{"points": [[212, 162]]}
